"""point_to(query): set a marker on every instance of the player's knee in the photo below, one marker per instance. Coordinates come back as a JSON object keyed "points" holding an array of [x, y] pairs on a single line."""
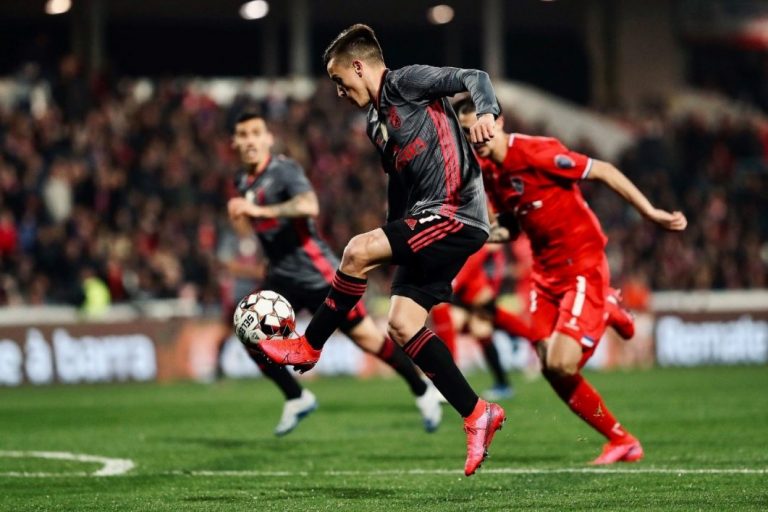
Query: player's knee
{"points": [[399, 330], [559, 366], [355, 257]]}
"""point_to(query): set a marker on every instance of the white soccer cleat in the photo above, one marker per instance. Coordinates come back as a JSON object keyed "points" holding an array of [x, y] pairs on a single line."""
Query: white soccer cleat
{"points": [[429, 406], [294, 411]]}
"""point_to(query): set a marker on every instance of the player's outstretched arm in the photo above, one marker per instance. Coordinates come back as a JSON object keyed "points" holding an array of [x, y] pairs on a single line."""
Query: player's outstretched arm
{"points": [[420, 82], [615, 179], [300, 205]]}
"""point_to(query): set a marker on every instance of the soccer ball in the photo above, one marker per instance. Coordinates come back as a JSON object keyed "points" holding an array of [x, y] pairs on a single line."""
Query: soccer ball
{"points": [[263, 315]]}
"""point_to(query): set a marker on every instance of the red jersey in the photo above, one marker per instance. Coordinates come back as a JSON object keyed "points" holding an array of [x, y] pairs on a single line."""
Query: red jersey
{"points": [[538, 183]]}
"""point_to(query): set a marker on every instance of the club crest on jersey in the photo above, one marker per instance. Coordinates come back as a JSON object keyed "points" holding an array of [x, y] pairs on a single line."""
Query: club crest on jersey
{"points": [[411, 223], [394, 118], [564, 162]]}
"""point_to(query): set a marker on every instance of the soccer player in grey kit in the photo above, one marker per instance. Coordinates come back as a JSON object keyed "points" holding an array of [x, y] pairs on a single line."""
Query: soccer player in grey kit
{"points": [[277, 202], [437, 215]]}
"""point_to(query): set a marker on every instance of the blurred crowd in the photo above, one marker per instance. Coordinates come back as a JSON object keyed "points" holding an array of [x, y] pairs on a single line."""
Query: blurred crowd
{"points": [[100, 186]]}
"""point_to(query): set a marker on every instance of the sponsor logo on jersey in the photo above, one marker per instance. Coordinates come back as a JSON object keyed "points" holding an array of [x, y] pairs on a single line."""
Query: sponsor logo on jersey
{"points": [[564, 162], [409, 152]]}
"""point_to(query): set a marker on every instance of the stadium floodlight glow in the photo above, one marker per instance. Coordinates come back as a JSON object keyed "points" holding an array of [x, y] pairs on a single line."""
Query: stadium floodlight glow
{"points": [[254, 9], [53, 7], [440, 14]]}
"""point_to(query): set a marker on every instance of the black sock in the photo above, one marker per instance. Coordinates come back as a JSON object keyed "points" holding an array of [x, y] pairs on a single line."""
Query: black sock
{"points": [[344, 295], [277, 374], [433, 357], [394, 356], [494, 363]]}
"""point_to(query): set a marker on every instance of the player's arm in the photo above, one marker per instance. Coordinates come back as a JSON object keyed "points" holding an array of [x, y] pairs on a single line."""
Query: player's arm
{"points": [[615, 179], [300, 205], [428, 82]]}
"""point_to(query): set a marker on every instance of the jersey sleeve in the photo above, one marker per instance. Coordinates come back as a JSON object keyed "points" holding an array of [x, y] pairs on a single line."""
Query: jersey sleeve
{"points": [[420, 82], [294, 180], [551, 156]]}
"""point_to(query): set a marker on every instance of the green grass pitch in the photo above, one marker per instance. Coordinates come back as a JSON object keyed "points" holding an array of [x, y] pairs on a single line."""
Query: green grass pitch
{"points": [[210, 447]]}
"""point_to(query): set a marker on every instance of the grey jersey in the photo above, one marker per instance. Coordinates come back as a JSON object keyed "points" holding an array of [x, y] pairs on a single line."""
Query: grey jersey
{"points": [[430, 163], [297, 255]]}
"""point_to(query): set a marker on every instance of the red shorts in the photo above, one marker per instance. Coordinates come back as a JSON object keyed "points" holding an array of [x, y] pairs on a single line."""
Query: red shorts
{"points": [[573, 305], [484, 269]]}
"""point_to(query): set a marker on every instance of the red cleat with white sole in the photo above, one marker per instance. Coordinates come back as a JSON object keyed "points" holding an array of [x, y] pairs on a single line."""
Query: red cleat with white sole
{"points": [[291, 351], [619, 318], [629, 450], [480, 427]]}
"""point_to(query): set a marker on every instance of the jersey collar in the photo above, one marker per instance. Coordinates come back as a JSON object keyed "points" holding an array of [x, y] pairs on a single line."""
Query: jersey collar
{"points": [[381, 86], [253, 176]]}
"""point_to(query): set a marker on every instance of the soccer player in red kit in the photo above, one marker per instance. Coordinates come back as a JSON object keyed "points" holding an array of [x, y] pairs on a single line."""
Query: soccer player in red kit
{"points": [[533, 184]]}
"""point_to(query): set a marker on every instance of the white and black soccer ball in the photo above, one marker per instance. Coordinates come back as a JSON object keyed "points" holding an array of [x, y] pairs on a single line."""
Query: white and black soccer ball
{"points": [[263, 315]]}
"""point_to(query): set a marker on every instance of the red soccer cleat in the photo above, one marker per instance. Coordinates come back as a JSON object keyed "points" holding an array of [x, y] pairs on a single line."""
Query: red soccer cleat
{"points": [[628, 450], [480, 427], [291, 351], [618, 317]]}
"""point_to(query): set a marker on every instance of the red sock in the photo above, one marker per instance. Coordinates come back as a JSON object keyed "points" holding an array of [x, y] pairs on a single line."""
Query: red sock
{"points": [[511, 323], [587, 403], [442, 326]]}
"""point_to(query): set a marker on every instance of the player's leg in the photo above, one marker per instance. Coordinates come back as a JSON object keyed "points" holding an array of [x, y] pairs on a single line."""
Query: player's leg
{"points": [[363, 331], [362, 254], [430, 251], [481, 419], [299, 402], [481, 328], [622, 321], [579, 327]]}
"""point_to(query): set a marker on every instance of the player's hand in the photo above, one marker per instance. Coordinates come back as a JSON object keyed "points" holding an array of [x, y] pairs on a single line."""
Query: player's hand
{"points": [[238, 206], [482, 131], [498, 234], [674, 221]]}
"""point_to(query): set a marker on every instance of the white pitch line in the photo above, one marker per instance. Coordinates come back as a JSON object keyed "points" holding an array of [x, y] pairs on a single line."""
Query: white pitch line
{"points": [[110, 466], [498, 471], [116, 467]]}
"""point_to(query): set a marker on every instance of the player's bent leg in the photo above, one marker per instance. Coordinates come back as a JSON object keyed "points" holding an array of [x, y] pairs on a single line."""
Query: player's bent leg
{"points": [[481, 419], [298, 402], [561, 367], [365, 252], [622, 321], [481, 328], [563, 354], [362, 254]]}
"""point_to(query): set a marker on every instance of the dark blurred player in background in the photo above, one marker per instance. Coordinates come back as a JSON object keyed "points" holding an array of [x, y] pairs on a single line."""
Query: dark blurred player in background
{"points": [[474, 310], [278, 203], [437, 215], [533, 184]]}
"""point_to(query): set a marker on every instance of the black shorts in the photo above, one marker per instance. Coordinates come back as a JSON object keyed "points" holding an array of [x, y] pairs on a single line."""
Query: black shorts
{"points": [[311, 299], [430, 250]]}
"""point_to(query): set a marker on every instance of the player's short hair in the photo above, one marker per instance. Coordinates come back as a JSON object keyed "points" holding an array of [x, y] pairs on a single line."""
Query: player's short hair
{"points": [[247, 115], [465, 106], [356, 42]]}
